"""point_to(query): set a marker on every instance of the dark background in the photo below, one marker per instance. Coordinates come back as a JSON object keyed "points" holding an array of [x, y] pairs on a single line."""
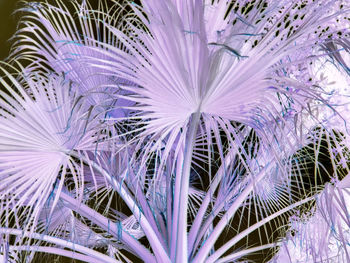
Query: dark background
{"points": [[7, 24], [9, 19]]}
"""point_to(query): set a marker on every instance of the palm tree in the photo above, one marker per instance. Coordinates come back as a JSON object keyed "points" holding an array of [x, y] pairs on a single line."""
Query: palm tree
{"points": [[174, 131]]}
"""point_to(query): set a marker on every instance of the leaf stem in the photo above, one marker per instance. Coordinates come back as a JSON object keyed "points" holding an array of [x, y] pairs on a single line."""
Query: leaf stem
{"points": [[182, 180], [110, 227], [209, 243], [57, 251], [60, 242], [159, 250], [252, 228], [239, 254]]}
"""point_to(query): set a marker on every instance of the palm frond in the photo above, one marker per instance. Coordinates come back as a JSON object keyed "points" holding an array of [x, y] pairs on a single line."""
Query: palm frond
{"points": [[40, 125]]}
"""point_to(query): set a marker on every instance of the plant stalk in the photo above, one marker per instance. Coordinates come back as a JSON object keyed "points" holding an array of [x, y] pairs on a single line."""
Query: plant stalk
{"points": [[182, 180]]}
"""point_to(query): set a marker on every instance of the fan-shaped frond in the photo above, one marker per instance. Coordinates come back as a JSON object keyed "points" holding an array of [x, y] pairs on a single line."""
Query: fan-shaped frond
{"points": [[39, 127]]}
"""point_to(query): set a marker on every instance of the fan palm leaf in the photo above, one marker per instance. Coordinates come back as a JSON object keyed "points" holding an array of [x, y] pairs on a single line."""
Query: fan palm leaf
{"points": [[40, 125]]}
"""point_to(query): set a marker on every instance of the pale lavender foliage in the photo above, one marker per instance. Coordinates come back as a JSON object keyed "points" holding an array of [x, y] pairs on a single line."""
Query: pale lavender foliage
{"points": [[175, 131]]}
